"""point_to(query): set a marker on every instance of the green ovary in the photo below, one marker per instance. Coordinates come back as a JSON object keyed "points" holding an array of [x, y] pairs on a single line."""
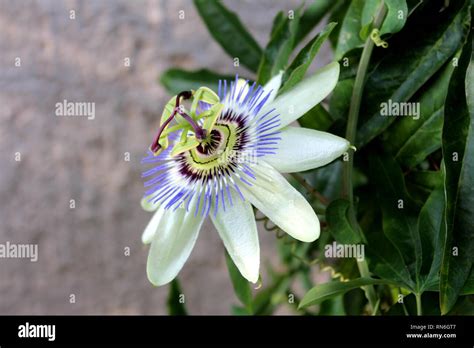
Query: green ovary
{"points": [[215, 152]]}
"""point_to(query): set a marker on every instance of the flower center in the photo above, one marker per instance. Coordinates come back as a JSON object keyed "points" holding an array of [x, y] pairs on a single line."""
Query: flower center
{"points": [[218, 152], [211, 143]]}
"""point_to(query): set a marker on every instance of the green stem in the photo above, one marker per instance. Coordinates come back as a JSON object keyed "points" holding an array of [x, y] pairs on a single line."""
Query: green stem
{"points": [[405, 311], [347, 187], [369, 289], [419, 308], [376, 309]]}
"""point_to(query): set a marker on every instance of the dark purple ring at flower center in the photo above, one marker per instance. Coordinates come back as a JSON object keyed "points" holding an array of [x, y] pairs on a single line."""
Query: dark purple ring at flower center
{"points": [[209, 146]]}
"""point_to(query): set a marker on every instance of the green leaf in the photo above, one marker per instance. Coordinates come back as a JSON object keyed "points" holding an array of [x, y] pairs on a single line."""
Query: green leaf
{"points": [[396, 16], [339, 225], [337, 15], [412, 139], [175, 303], [464, 306], [278, 22], [431, 231], [359, 17], [226, 28], [458, 152], [384, 259], [398, 211], [241, 285], [397, 12], [312, 16], [326, 180], [341, 98], [236, 310], [350, 28], [333, 306], [427, 179], [177, 80], [414, 55], [303, 60], [468, 288], [420, 184], [329, 290], [278, 50], [316, 118]]}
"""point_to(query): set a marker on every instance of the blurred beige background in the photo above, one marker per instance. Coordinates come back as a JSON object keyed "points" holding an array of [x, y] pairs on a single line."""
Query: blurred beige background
{"points": [[81, 250]]}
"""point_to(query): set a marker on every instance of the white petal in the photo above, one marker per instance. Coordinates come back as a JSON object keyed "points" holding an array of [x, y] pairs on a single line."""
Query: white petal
{"points": [[305, 95], [273, 85], [282, 203], [149, 206], [172, 244], [301, 149], [152, 226], [238, 230]]}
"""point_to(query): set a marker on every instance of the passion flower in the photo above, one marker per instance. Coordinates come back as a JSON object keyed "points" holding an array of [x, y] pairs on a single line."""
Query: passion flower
{"points": [[226, 155]]}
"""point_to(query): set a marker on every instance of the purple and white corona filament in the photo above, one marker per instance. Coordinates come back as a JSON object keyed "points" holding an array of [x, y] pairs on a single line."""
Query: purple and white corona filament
{"points": [[241, 135], [227, 155]]}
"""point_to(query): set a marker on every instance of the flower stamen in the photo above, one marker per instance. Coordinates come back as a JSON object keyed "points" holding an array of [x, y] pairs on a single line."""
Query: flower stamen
{"points": [[199, 131], [213, 148]]}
